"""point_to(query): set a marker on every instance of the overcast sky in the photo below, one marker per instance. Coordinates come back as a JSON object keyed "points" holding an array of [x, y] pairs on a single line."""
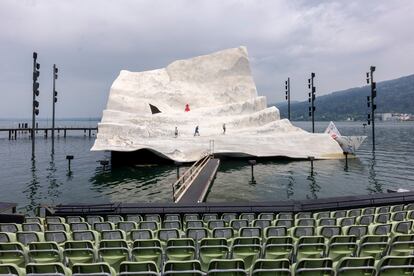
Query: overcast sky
{"points": [[91, 41]]}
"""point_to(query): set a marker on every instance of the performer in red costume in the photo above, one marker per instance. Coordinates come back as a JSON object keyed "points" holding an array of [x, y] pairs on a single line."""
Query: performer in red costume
{"points": [[187, 107]]}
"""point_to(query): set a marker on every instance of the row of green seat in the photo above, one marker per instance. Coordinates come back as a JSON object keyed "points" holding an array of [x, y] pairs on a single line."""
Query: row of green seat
{"points": [[352, 266]]}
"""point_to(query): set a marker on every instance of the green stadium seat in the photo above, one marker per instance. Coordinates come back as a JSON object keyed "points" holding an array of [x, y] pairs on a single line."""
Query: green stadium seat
{"points": [[74, 219], [278, 248], [365, 219], [127, 226], [45, 252], [147, 251], [32, 227], [88, 235], [194, 224], [96, 269], [305, 222], [197, 233], [409, 207], [182, 268], [380, 229], [310, 247], [322, 266], [262, 223], [150, 225], [114, 218], [250, 232], [397, 208], [301, 231], [171, 224], [34, 220], [372, 246], [153, 217], [12, 270], [27, 237], [166, 234], [57, 227], [328, 231], [172, 217], [135, 218], [303, 215], [354, 213], [56, 269], [346, 221], [180, 249], [114, 252], [275, 231], [341, 246], [266, 216], [250, 217], [60, 237], [54, 219], [138, 268], [382, 218], [234, 267], [113, 235], [326, 222], [13, 253], [141, 234], [280, 267], [368, 211], [227, 217], [79, 226], [10, 227], [207, 217], [356, 266], [338, 214], [284, 215], [103, 226], [78, 252], [236, 224], [246, 248], [288, 223], [188, 217], [410, 215], [225, 232], [216, 223], [94, 219], [322, 215], [402, 227], [211, 248], [393, 265], [7, 237], [398, 216], [355, 230], [401, 245], [382, 209]]}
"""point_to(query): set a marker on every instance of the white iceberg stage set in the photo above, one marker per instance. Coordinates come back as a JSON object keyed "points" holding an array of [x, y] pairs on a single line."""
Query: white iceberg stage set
{"points": [[145, 108]]}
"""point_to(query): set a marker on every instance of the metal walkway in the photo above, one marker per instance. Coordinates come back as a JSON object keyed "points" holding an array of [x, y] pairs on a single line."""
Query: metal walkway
{"points": [[193, 185]]}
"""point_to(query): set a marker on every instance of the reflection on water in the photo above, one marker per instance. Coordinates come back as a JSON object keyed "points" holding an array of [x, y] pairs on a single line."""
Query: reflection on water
{"points": [[46, 179]]}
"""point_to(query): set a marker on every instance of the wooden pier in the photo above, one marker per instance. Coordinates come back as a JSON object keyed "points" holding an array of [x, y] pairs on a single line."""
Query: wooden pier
{"points": [[16, 132], [193, 185]]}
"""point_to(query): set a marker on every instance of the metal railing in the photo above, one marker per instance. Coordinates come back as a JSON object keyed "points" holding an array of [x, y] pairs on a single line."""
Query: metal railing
{"points": [[182, 183]]}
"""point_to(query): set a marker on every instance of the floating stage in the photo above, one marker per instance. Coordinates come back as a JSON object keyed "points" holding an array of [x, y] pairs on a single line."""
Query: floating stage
{"points": [[176, 114]]}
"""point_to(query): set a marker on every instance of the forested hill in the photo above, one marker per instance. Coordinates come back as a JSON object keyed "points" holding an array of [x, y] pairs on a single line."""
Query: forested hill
{"points": [[392, 96]]}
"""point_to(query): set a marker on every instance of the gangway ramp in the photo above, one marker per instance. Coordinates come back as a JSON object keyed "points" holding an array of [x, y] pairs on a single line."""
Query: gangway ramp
{"points": [[193, 185]]}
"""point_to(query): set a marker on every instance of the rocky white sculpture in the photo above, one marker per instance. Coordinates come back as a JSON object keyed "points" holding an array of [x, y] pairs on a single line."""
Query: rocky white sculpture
{"points": [[159, 110]]}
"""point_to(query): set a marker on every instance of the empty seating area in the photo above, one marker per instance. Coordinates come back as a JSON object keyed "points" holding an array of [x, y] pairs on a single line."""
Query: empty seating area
{"points": [[365, 241]]}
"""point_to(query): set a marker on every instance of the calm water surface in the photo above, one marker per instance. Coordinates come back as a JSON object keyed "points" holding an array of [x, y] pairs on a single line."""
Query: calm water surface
{"points": [[46, 179]]}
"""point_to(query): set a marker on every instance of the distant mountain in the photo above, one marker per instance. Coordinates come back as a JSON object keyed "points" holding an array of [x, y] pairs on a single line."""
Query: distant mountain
{"points": [[392, 96]]}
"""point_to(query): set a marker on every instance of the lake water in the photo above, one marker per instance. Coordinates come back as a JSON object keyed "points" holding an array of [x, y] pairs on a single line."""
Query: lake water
{"points": [[46, 179]]}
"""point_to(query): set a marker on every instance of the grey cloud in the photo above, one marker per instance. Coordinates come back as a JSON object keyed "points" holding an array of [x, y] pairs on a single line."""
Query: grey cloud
{"points": [[91, 41]]}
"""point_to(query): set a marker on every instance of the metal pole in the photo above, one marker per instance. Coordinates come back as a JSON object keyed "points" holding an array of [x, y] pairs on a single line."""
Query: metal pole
{"points": [[313, 105], [33, 107], [288, 83], [53, 109], [372, 69]]}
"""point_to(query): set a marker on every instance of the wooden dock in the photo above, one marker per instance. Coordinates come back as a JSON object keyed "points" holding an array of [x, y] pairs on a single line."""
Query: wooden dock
{"points": [[15, 132], [193, 185]]}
